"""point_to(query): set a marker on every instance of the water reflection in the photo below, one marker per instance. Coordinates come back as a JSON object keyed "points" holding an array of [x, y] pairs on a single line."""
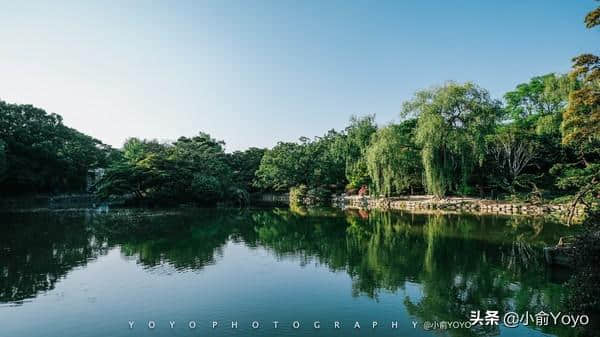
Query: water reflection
{"points": [[461, 262], [38, 249]]}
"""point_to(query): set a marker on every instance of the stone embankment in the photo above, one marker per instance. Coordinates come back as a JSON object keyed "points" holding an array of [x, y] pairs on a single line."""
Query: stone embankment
{"points": [[271, 198], [451, 204]]}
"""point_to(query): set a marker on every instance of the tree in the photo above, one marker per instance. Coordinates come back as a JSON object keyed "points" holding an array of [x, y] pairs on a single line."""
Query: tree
{"points": [[188, 170], [316, 163], [283, 167], [542, 95], [581, 131], [137, 171], [513, 150], [328, 162], [358, 138], [393, 159], [452, 123], [581, 123], [244, 165], [533, 117], [41, 154], [538, 105], [581, 127]]}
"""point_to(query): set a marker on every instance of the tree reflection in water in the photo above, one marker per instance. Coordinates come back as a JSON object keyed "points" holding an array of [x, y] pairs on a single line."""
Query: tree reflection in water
{"points": [[461, 262], [39, 249]]}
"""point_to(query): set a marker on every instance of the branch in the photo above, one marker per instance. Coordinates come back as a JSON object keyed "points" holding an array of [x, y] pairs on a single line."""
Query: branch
{"points": [[579, 198]]}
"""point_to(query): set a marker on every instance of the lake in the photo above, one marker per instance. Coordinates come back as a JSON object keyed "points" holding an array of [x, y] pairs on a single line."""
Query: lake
{"points": [[135, 272]]}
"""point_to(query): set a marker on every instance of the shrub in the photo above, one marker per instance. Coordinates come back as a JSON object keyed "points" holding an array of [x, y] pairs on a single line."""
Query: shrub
{"points": [[298, 194], [317, 196]]}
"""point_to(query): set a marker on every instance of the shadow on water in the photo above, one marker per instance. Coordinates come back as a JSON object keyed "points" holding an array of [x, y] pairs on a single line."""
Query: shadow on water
{"points": [[460, 262]]}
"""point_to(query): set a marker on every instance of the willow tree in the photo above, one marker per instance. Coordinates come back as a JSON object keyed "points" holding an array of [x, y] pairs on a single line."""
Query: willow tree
{"points": [[393, 159], [452, 123], [357, 138]]}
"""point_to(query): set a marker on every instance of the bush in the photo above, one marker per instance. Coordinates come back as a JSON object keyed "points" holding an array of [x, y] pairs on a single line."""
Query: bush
{"points": [[318, 196], [302, 195], [298, 194], [239, 196], [206, 189]]}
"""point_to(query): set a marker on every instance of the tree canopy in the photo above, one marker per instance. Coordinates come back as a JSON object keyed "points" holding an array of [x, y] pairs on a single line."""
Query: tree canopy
{"points": [[394, 161], [542, 95], [38, 153], [452, 123], [543, 140], [358, 138], [581, 128], [193, 169], [314, 163]]}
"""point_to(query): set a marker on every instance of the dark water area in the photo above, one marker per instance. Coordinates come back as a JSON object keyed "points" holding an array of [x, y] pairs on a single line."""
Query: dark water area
{"points": [[89, 273]]}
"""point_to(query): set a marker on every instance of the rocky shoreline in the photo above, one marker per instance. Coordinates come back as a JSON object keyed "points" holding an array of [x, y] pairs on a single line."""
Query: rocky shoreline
{"points": [[417, 204], [451, 204]]}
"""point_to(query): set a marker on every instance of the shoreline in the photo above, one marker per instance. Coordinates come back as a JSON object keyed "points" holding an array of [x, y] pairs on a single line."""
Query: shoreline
{"points": [[426, 203], [416, 203]]}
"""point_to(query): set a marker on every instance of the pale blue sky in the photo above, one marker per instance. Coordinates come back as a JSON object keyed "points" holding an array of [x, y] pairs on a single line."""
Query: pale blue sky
{"points": [[256, 72]]}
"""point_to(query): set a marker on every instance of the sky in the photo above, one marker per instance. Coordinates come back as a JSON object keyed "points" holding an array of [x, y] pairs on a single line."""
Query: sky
{"points": [[253, 73]]}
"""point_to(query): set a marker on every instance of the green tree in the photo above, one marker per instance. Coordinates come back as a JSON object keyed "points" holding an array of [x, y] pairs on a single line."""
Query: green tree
{"points": [[354, 147], [328, 162], [244, 165], [531, 126], [453, 121], [283, 167], [539, 104], [581, 131], [188, 170], [136, 172], [393, 159], [41, 154], [513, 150], [581, 127], [542, 95], [313, 163]]}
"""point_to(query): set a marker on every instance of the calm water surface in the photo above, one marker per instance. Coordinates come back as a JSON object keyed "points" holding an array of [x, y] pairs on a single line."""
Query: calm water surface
{"points": [[88, 274]]}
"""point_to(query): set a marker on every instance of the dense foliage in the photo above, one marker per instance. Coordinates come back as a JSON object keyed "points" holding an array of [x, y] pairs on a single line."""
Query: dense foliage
{"points": [[453, 139], [452, 123], [581, 131], [357, 141], [542, 141], [318, 162], [393, 160], [381, 252], [39, 154], [244, 165], [193, 169], [581, 128]]}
